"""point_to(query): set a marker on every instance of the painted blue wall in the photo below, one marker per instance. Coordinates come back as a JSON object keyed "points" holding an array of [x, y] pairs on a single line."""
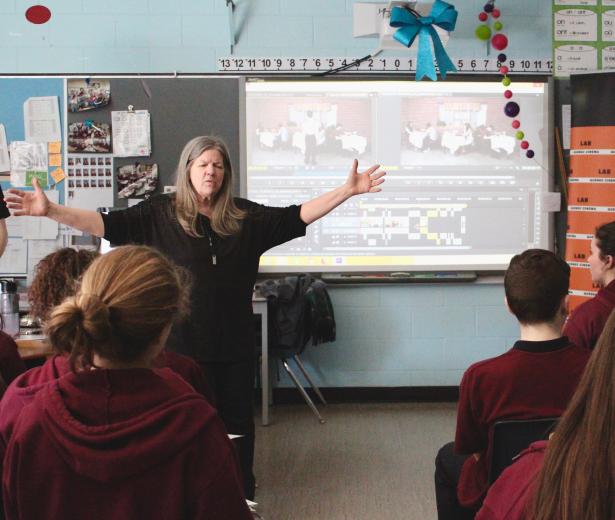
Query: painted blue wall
{"points": [[411, 335], [106, 36]]}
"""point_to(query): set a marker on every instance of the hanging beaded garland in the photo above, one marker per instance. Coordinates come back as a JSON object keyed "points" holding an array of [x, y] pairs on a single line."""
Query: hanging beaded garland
{"points": [[499, 41]]}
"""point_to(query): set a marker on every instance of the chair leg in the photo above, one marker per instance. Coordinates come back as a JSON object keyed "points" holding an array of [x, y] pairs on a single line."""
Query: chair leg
{"points": [[306, 397], [309, 379]]}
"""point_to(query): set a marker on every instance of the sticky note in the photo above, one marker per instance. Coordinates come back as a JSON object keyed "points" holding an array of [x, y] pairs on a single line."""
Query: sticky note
{"points": [[40, 175], [54, 147], [58, 175], [55, 159]]}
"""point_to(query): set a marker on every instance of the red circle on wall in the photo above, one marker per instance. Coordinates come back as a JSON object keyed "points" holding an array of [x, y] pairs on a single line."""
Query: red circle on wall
{"points": [[38, 14]]}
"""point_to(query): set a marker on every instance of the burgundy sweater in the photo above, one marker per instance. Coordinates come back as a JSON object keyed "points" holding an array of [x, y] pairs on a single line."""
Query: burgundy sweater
{"points": [[121, 444], [509, 497], [11, 364], [586, 322], [25, 387], [533, 379]]}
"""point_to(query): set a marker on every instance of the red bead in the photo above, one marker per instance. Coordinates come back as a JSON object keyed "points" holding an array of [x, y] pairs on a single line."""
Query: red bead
{"points": [[495, 13], [516, 123], [508, 94], [499, 42], [525, 145], [483, 17], [503, 69]]}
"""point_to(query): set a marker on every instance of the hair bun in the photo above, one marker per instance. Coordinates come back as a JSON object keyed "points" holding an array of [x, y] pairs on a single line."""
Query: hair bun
{"points": [[94, 315]]}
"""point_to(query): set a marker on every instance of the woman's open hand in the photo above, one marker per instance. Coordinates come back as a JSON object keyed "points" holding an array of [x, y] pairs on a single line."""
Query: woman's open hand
{"points": [[34, 203], [367, 181]]}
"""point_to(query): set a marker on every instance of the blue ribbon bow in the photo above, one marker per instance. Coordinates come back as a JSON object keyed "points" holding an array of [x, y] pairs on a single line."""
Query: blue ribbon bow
{"points": [[443, 15]]}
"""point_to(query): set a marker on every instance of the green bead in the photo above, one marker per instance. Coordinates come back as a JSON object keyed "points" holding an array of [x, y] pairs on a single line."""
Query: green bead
{"points": [[483, 32], [498, 26], [519, 135], [506, 81]]}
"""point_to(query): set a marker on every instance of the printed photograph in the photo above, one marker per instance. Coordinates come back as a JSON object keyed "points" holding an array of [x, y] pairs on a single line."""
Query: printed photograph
{"points": [[136, 180], [87, 95]]}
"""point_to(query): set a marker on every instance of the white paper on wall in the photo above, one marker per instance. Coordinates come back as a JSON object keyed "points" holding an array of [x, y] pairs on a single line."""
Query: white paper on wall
{"points": [[566, 120], [14, 226], [26, 156], [131, 133], [15, 257], [5, 162], [41, 228], [90, 198], [42, 119], [39, 249]]}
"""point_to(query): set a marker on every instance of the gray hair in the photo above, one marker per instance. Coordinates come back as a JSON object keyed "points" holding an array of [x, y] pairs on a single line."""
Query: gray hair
{"points": [[226, 217]]}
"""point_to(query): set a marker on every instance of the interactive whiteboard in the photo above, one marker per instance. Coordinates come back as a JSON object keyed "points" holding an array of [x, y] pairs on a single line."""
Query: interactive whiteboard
{"points": [[460, 194]]}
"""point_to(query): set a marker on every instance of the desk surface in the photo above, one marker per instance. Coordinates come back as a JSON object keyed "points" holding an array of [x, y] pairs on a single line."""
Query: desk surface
{"points": [[33, 347]]}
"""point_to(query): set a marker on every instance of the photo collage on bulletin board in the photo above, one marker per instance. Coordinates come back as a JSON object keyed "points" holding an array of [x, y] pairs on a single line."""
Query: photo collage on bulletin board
{"points": [[93, 143]]}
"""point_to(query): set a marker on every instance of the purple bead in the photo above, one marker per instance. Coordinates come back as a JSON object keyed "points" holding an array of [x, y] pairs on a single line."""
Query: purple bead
{"points": [[512, 109], [488, 7], [502, 58], [529, 154]]}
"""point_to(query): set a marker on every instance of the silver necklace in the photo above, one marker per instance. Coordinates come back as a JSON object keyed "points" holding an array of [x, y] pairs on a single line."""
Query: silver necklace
{"points": [[211, 244]]}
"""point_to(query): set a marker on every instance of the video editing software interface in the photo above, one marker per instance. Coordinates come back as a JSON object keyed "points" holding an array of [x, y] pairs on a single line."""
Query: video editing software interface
{"points": [[459, 192]]}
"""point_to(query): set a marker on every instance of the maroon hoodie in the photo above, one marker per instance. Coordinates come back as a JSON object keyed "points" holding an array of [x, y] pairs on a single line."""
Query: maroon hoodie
{"points": [[11, 364], [121, 444], [509, 497], [27, 385], [586, 322]]}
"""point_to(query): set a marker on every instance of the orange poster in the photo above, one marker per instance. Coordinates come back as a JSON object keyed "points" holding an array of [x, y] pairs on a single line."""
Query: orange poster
{"points": [[591, 186]]}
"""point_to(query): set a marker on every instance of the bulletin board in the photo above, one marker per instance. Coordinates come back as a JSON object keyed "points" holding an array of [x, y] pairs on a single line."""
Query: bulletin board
{"points": [[179, 107], [23, 253]]}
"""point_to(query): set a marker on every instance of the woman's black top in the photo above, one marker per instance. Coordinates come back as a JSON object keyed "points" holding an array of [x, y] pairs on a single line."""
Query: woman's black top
{"points": [[220, 326]]}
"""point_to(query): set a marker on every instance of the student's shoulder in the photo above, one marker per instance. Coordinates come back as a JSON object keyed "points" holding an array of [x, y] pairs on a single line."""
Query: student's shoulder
{"points": [[587, 310], [487, 366], [178, 387]]}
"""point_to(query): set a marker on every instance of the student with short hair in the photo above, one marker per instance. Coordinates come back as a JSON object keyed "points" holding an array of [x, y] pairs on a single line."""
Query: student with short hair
{"points": [[586, 322], [118, 439], [534, 379], [571, 476]]}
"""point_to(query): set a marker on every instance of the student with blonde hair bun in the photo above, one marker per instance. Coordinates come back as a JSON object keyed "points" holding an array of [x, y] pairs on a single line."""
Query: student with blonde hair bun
{"points": [[57, 277], [119, 439], [571, 476]]}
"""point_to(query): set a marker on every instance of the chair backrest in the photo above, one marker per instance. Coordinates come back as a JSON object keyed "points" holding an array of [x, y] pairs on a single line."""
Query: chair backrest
{"points": [[511, 437]]}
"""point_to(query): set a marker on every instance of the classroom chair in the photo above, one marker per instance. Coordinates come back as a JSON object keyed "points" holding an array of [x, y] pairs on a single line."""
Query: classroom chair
{"points": [[511, 437]]}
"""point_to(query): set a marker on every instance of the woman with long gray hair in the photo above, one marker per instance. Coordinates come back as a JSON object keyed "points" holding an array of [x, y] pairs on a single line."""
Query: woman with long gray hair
{"points": [[219, 239]]}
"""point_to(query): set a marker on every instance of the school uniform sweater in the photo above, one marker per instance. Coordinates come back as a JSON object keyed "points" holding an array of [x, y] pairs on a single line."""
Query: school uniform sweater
{"points": [[11, 364], [121, 444], [510, 496], [586, 322], [22, 391], [533, 379]]}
